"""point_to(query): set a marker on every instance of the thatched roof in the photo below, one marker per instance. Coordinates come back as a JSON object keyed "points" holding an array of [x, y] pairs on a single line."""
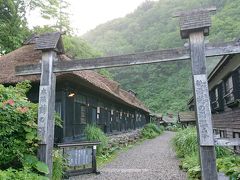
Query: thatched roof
{"points": [[28, 54], [168, 119], [188, 116], [156, 115]]}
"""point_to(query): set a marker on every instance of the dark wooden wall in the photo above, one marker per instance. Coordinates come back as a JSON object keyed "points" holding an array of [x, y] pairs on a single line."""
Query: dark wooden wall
{"points": [[110, 115], [228, 121]]}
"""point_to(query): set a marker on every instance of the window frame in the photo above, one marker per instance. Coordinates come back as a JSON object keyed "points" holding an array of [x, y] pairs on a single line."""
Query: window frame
{"points": [[81, 101], [217, 98], [235, 90], [236, 148], [229, 91]]}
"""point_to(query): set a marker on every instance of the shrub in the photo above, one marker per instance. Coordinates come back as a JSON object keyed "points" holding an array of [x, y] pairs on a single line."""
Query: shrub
{"points": [[150, 131], [230, 165], [24, 174], [18, 127], [94, 133], [192, 166], [31, 162], [222, 152]]}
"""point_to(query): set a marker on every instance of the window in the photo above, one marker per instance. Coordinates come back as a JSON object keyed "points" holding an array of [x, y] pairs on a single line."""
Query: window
{"points": [[80, 110], [215, 102], [236, 83], [232, 88], [229, 96], [103, 116], [223, 133], [92, 115], [236, 135], [80, 113], [216, 96], [83, 116]]}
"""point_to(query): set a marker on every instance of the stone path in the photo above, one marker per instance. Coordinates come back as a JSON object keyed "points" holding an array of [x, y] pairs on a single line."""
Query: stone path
{"points": [[152, 160]]}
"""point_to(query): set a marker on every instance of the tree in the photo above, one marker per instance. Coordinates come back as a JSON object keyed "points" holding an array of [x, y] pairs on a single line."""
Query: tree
{"points": [[13, 25], [57, 12], [13, 22]]}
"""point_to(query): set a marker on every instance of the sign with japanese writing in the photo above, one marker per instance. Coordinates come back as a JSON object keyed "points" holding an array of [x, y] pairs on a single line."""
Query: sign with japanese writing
{"points": [[78, 157], [43, 113], [203, 110]]}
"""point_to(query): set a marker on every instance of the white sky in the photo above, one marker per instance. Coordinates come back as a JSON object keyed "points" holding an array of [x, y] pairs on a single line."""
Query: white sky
{"points": [[87, 14]]}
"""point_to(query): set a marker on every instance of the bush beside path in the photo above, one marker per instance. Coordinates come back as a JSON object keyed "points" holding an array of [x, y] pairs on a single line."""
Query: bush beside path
{"points": [[153, 159]]}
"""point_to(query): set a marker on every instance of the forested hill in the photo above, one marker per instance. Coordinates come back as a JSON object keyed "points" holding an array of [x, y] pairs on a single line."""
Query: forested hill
{"points": [[167, 86]]}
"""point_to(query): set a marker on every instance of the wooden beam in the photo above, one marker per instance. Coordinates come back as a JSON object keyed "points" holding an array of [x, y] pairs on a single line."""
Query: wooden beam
{"points": [[131, 59], [227, 141]]}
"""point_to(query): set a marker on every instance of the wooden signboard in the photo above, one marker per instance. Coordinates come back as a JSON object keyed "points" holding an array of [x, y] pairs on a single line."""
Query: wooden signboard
{"points": [[203, 110]]}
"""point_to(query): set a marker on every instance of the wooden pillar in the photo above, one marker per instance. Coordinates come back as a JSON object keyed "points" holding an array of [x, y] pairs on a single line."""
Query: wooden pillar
{"points": [[46, 109], [202, 107], [194, 25]]}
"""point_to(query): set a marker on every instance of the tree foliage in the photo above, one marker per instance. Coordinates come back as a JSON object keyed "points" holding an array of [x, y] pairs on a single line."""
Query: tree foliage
{"points": [[13, 22], [167, 86], [78, 48], [13, 27]]}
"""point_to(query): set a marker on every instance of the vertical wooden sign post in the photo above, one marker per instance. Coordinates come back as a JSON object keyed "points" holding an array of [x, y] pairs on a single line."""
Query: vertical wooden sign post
{"points": [[50, 44], [46, 109], [195, 25]]}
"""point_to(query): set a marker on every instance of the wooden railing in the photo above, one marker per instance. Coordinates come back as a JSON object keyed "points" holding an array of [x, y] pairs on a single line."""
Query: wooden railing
{"points": [[80, 157]]}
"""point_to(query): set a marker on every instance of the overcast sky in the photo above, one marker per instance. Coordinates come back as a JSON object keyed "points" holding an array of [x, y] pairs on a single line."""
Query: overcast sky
{"points": [[87, 14]]}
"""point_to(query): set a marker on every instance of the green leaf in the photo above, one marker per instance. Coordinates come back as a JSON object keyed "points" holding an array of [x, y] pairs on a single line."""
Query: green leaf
{"points": [[30, 159], [30, 136], [28, 129], [42, 167]]}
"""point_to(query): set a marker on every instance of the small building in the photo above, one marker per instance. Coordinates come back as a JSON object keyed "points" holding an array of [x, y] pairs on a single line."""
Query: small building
{"points": [[83, 97], [156, 118], [168, 119], [187, 118], [224, 90]]}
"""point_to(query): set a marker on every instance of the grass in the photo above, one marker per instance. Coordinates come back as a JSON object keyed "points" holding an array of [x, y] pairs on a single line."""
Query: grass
{"points": [[185, 142]]}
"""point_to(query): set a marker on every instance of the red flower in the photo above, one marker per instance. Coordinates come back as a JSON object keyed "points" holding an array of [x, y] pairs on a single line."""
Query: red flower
{"points": [[11, 102], [22, 109]]}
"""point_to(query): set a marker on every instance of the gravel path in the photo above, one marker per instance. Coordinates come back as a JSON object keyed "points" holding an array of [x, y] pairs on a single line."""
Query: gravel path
{"points": [[152, 160]]}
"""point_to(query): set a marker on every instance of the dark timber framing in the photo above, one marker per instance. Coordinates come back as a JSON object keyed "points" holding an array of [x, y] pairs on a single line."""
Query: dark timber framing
{"points": [[193, 25]]}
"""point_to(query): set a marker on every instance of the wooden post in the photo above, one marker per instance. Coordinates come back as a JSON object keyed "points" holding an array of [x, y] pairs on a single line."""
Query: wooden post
{"points": [[202, 108], [195, 25], [46, 109], [94, 161]]}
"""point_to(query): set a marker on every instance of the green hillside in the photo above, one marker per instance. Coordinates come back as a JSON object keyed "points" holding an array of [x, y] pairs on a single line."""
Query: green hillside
{"points": [[166, 86]]}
